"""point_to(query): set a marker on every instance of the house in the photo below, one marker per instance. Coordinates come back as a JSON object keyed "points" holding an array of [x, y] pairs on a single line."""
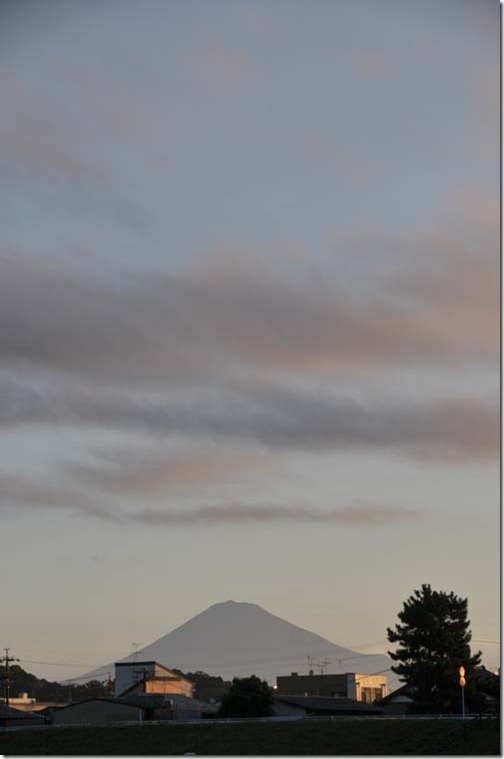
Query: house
{"points": [[305, 706], [360, 687], [10, 717], [96, 711], [149, 677], [159, 706], [487, 684], [398, 702], [137, 707], [26, 704], [22, 701], [483, 683]]}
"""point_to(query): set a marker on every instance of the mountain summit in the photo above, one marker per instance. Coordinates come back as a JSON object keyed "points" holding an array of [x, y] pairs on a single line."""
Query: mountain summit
{"points": [[237, 639]]}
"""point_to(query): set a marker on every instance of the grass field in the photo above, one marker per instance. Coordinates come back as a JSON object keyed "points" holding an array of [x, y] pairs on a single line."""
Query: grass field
{"points": [[372, 737]]}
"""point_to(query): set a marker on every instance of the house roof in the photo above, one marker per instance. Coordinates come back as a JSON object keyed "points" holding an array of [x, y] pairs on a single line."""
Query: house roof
{"points": [[404, 692], [96, 698], [327, 703], [158, 700], [481, 677], [7, 712]]}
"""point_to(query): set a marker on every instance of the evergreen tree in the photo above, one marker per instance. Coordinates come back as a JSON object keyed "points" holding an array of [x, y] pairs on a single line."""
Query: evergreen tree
{"points": [[433, 638], [247, 697]]}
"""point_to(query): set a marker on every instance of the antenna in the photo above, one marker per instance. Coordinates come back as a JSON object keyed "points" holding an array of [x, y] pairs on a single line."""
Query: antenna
{"points": [[135, 649], [311, 664]]}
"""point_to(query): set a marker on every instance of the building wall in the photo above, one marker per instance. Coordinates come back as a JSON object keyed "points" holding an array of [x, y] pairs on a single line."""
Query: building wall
{"points": [[396, 707], [360, 687], [126, 676], [370, 688], [313, 685], [96, 713], [181, 687], [130, 673]]}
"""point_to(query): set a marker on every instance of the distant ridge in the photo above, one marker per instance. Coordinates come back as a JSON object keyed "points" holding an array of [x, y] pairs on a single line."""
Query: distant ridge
{"points": [[237, 639]]}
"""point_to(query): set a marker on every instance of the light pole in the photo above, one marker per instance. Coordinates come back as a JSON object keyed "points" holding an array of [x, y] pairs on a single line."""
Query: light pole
{"points": [[462, 683]]}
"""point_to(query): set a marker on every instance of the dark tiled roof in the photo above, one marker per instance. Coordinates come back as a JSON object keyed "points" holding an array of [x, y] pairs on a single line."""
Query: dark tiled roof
{"points": [[327, 703], [87, 700], [7, 712], [484, 676], [144, 700], [404, 690], [158, 700]]}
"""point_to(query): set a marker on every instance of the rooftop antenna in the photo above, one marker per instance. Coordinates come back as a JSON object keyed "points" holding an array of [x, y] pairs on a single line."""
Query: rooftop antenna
{"points": [[310, 664], [135, 650], [325, 664]]}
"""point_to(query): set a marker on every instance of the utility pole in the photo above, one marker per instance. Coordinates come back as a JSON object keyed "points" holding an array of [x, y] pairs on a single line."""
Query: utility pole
{"points": [[6, 660]]}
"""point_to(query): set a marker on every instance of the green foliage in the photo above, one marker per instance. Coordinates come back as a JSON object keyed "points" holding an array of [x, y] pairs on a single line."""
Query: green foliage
{"points": [[247, 697], [206, 686], [433, 638]]}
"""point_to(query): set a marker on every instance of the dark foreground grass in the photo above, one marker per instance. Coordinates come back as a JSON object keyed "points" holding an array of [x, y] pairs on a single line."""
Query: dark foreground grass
{"points": [[341, 737]]}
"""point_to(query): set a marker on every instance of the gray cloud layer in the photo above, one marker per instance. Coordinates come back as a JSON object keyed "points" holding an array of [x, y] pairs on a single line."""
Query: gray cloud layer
{"points": [[216, 320], [275, 417]]}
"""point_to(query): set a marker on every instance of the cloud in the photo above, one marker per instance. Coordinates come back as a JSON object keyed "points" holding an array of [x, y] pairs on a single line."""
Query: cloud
{"points": [[130, 474], [226, 317], [243, 513], [277, 417], [20, 492]]}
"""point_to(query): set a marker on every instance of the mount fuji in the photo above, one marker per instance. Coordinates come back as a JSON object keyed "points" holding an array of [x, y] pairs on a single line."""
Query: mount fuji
{"points": [[234, 639]]}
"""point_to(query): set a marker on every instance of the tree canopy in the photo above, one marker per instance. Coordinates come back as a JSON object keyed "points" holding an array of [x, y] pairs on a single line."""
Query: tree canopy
{"points": [[45, 690], [433, 636], [247, 697], [206, 686]]}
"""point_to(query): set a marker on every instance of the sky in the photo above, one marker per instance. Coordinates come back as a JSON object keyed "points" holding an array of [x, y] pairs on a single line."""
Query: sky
{"points": [[249, 317]]}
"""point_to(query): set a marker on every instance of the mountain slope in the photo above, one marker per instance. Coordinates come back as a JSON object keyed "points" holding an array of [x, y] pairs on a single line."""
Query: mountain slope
{"points": [[234, 639]]}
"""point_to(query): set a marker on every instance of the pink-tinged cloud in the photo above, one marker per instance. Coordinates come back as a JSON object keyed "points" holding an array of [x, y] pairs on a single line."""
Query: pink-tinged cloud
{"points": [[153, 475], [212, 322]]}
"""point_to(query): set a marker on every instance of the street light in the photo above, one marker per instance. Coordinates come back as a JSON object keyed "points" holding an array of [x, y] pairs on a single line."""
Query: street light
{"points": [[462, 683]]}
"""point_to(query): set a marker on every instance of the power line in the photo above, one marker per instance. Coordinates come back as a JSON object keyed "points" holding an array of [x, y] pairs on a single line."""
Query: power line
{"points": [[100, 677], [59, 663], [214, 663]]}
